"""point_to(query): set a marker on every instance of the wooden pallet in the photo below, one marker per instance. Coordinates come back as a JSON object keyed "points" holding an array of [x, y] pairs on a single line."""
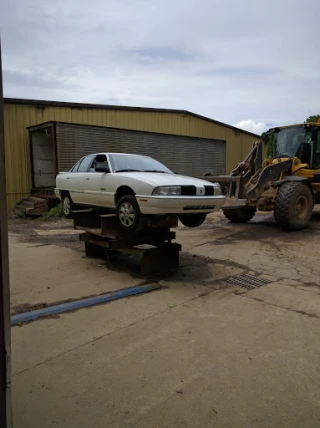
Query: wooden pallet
{"points": [[33, 206]]}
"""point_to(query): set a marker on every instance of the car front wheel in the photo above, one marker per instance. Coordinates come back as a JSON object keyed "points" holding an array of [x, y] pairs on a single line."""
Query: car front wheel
{"points": [[128, 213], [192, 220]]}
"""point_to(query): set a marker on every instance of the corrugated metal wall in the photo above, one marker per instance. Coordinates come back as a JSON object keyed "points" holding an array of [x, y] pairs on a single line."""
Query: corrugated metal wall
{"points": [[19, 116], [184, 155]]}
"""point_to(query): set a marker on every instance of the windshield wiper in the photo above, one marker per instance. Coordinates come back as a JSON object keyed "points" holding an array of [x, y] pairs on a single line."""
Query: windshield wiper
{"points": [[128, 170], [154, 170]]}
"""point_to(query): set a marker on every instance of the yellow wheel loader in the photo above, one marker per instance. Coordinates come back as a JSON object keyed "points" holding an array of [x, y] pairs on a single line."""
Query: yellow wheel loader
{"points": [[287, 182]]}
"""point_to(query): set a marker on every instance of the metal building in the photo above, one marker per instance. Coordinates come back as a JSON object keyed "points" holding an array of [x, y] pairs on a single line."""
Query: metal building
{"points": [[57, 146], [44, 137]]}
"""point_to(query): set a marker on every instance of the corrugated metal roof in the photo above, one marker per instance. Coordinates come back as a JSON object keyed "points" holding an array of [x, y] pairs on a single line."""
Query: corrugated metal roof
{"points": [[40, 103]]}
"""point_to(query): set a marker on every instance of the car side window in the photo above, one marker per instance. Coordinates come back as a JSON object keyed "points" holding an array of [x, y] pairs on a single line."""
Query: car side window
{"points": [[93, 165], [76, 166], [100, 160], [85, 164]]}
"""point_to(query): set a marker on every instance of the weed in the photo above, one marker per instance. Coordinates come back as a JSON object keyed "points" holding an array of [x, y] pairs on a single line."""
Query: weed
{"points": [[172, 305], [18, 212], [55, 212]]}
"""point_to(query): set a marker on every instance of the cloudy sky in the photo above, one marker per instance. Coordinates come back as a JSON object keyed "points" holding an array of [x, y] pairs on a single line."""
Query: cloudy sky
{"points": [[251, 63]]}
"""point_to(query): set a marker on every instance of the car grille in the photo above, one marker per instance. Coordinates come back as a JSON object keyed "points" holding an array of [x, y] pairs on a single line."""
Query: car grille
{"points": [[198, 207], [192, 191], [188, 191], [209, 190]]}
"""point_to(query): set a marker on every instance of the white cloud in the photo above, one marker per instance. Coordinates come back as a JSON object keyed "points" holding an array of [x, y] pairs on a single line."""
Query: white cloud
{"points": [[252, 126]]}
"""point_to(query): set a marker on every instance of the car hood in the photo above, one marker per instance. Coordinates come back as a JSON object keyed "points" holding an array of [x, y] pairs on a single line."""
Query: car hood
{"points": [[159, 179]]}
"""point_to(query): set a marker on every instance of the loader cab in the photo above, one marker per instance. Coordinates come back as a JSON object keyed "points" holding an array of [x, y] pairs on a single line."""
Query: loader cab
{"points": [[301, 141]]}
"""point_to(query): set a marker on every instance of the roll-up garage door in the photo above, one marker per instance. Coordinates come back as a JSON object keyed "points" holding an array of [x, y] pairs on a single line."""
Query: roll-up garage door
{"points": [[183, 155]]}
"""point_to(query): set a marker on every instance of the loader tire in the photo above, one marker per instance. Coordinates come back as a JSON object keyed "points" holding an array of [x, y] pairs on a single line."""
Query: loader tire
{"points": [[239, 215], [293, 206]]}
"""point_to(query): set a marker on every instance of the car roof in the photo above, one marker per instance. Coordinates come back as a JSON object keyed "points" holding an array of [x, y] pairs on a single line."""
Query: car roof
{"points": [[114, 153]]}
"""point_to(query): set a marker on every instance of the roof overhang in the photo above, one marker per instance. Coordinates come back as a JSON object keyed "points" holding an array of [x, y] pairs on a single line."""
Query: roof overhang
{"points": [[46, 103]]}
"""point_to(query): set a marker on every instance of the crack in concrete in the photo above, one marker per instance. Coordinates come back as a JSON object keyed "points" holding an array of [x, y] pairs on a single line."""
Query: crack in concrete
{"points": [[309, 315]]}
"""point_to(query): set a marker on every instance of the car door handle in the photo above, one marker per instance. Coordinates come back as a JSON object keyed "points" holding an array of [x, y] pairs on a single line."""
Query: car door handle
{"points": [[87, 178]]}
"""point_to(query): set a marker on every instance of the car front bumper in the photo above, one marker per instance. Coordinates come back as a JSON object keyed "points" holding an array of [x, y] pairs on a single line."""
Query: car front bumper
{"points": [[179, 204]]}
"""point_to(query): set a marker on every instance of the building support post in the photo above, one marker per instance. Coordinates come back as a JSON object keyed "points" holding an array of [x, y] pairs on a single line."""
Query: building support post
{"points": [[5, 360]]}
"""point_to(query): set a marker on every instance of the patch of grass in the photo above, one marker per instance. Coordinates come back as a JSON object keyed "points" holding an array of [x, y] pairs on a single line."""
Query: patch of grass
{"points": [[172, 305], [18, 212], [55, 212]]}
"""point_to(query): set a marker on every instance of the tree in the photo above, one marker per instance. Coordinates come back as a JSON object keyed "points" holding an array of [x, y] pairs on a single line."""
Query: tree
{"points": [[313, 118], [268, 137]]}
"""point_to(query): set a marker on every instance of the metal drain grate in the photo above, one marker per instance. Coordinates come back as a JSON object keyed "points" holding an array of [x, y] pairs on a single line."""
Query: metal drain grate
{"points": [[247, 281]]}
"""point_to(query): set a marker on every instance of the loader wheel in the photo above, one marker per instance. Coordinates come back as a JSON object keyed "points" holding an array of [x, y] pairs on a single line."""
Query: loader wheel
{"points": [[239, 215], [293, 206]]}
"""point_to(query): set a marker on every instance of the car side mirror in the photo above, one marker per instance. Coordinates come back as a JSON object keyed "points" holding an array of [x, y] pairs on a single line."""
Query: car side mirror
{"points": [[102, 168]]}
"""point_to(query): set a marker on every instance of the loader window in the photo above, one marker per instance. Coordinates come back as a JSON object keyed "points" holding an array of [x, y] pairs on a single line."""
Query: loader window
{"points": [[294, 142], [317, 162]]}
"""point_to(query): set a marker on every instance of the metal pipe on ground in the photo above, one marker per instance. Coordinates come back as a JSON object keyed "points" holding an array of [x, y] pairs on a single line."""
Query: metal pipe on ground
{"points": [[82, 303]]}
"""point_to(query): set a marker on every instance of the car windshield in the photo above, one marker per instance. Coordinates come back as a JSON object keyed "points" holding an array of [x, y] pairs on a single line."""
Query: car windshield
{"points": [[123, 163]]}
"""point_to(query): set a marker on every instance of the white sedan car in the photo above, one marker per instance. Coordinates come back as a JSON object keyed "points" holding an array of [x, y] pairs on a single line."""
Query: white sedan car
{"points": [[136, 186]]}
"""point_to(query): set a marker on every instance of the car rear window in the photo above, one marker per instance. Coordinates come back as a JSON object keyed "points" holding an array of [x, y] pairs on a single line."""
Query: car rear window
{"points": [[86, 163]]}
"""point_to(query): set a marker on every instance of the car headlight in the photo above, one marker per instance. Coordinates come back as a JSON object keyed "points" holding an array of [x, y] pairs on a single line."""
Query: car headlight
{"points": [[167, 191], [217, 191]]}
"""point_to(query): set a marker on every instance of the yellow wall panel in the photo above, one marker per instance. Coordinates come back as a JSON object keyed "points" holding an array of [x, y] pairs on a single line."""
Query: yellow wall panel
{"points": [[9, 152], [18, 116]]}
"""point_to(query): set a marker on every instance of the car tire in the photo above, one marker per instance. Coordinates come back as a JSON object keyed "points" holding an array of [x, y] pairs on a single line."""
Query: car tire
{"points": [[67, 206], [128, 213], [192, 220]]}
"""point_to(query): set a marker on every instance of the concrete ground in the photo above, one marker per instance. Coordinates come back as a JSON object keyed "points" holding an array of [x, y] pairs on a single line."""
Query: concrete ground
{"points": [[199, 352]]}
